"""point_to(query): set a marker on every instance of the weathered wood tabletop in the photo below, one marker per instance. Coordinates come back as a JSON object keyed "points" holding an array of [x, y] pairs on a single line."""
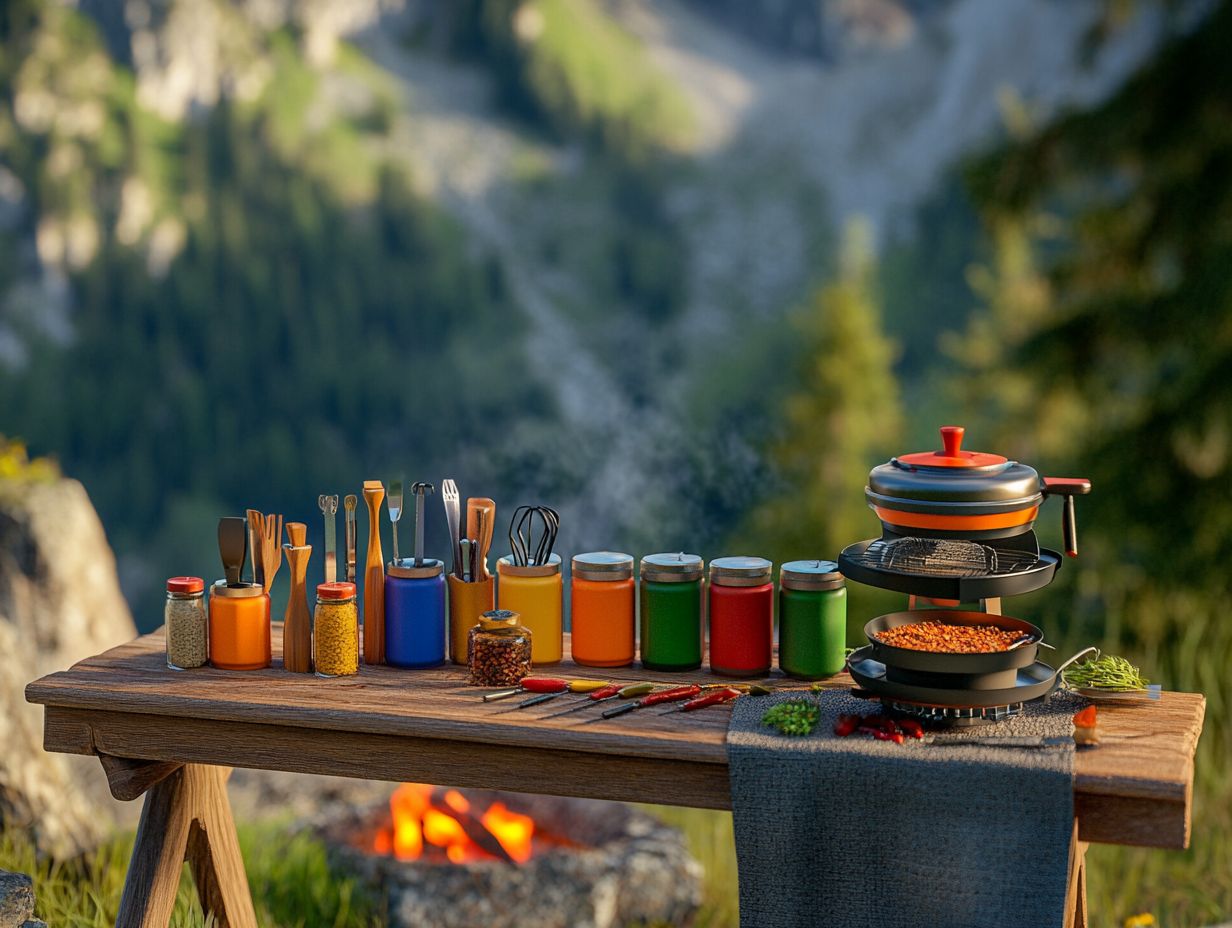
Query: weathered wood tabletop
{"points": [[426, 725]]}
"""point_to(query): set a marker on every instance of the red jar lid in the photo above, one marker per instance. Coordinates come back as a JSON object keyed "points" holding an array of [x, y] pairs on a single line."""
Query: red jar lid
{"points": [[185, 585], [339, 590]]}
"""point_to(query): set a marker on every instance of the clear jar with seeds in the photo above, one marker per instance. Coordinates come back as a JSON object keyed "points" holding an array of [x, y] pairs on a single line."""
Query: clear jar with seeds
{"points": [[335, 634], [498, 649], [186, 627]]}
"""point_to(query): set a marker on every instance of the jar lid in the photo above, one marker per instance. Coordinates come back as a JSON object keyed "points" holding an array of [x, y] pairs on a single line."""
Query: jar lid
{"points": [[672, 567], [405, 567], [506, 568], [742, 570], [185, 585], [340, 589], [496, 619], [810, 575], [603, 565], [239, 591]]}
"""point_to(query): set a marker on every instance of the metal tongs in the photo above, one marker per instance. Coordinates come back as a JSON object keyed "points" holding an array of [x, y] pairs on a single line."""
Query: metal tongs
{"points": [[351, 502], [329, 509]]}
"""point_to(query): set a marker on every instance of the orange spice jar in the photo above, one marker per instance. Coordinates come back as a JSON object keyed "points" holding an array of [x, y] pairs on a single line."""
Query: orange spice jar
{"points": [[603, 609], [239, 626]]}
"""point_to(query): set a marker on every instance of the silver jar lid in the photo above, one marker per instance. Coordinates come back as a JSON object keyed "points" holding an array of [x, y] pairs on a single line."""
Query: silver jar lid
{"points": [[672, 568], [240, 591], [603, 565], [506, 568], [741, 570], [405, 568], [810, 575]]}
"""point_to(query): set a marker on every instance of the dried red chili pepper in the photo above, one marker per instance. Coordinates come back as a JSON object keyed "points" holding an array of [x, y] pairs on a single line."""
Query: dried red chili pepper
{"points": [[846, 725], [911, 727]]}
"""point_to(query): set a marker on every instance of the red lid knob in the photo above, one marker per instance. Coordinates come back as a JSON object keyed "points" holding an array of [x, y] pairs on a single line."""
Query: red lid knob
{"points": [[951, 440], [185, 585], [339, 590]]}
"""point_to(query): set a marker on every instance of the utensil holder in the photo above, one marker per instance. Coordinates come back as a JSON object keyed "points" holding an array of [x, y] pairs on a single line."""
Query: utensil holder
{"points": [[239, 626], [467, 602], [535, 592], [415, 613]]}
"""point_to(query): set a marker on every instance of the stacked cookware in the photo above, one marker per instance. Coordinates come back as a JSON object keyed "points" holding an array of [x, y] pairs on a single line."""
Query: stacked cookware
{"points": [[957, 528]]}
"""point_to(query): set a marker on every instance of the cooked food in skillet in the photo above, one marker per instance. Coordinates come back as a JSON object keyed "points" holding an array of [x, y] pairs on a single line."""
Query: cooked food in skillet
{"points": [[943, 638]]}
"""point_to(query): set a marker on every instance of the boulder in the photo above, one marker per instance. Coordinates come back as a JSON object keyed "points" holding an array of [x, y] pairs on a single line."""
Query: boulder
{"points": [[16, 899], [60, 602]]}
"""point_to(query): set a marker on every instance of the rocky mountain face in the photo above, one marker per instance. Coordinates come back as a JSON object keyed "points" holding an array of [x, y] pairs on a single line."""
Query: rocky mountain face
{"points": [[60, 602]]}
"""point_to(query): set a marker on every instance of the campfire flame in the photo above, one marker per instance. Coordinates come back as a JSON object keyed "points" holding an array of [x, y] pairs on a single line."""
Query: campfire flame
{"points": [[423, 814]]}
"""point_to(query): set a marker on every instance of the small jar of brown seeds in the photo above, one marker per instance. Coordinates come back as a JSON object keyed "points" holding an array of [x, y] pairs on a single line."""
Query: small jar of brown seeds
{"points": [[186, 629], [498, 649]]}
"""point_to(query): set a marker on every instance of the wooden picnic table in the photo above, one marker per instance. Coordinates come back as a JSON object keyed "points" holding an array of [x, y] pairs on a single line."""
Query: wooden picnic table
{"points": [[176, 734]]}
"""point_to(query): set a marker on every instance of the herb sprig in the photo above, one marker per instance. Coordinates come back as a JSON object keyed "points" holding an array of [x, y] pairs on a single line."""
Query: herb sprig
{"points": [[794, 717], [1107, 672]]}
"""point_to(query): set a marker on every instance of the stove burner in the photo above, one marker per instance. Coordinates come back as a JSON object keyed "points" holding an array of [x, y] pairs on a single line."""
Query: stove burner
{"points": [[954, 716]]}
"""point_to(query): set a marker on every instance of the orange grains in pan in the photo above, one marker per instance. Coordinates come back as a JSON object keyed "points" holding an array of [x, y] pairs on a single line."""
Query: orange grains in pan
{"points": [[950, 639]]}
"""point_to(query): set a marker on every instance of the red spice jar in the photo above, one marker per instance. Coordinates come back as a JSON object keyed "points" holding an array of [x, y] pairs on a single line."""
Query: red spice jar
{"points": [[741, 616]]}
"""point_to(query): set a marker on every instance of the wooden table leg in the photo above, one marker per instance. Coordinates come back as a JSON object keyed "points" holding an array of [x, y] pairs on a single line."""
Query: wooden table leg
{"points": [[187, 816], [1076, 895]]}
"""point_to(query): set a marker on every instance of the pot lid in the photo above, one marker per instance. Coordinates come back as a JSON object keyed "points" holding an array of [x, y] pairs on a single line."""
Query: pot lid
{"points": [[951, 453], [954, 477]]}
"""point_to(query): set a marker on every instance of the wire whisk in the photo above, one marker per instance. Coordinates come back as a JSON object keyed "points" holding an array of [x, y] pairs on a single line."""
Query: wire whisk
{"points": [[524, 550]]}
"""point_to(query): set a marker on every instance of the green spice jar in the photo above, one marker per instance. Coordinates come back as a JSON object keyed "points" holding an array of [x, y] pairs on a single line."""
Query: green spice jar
{"points": [[335, 634], [812, 619], [498, 649], [670, 597]]}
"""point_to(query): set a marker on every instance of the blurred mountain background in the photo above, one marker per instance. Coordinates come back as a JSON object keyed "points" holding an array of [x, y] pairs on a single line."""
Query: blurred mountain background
{"points": [[684, 270]]}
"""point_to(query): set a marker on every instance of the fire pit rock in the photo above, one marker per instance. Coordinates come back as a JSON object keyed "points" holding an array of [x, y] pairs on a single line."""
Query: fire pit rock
{"points": [[606, 865]]}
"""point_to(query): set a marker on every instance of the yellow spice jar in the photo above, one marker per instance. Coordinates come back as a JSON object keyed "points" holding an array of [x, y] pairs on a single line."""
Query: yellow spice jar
{"points": [[534, 592], [335, 635]]}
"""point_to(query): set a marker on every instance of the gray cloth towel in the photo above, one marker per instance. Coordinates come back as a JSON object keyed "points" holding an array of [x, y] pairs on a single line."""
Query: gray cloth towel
{"points": [[857, 833]]}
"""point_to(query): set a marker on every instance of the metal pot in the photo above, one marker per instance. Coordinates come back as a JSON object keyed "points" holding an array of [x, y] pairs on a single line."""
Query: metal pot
{"points": [[972, 495]]}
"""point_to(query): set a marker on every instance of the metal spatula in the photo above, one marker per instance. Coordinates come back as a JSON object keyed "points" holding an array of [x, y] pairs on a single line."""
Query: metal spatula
{"points": [[232, 547], [393, 500]]}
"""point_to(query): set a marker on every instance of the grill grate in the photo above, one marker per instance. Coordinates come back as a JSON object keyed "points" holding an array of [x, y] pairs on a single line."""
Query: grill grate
{"points": [[954, 716], [938, 557]]}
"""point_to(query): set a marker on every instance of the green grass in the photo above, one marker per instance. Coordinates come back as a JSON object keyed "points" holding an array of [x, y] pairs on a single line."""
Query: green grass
{"points": [[291, 884]]}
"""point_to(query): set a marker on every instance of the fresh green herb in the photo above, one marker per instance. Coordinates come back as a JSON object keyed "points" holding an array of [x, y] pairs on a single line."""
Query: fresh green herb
{"points": [[793, 717], [1107, 672], [757, 689]]}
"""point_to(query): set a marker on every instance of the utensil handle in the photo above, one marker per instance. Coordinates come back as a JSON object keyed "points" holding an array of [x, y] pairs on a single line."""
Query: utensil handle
{"points": [[1077, 657]]}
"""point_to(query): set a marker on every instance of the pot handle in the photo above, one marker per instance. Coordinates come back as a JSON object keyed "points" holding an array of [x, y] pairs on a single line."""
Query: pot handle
{"points": [[1069, 487]]}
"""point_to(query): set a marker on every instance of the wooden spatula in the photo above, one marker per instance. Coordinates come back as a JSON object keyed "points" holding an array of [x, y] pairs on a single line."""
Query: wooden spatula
{"points": [[374, 578]]}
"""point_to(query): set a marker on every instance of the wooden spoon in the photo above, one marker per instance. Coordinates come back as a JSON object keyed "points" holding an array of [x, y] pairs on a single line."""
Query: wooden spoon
{"points": [[297, 534], [374, 578]]}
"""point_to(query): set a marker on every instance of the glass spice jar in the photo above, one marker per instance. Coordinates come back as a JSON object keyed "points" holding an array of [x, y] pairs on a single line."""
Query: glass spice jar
{"points": [[335, 632], [498, 649], [741, 616], [188, 643], [812, 619], [604, 605], [239, 626], [671, 607]]}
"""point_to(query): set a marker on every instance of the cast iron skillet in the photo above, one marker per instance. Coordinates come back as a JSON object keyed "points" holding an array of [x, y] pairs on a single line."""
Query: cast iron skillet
{"points": [[932, 662], [1033, 682]]}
